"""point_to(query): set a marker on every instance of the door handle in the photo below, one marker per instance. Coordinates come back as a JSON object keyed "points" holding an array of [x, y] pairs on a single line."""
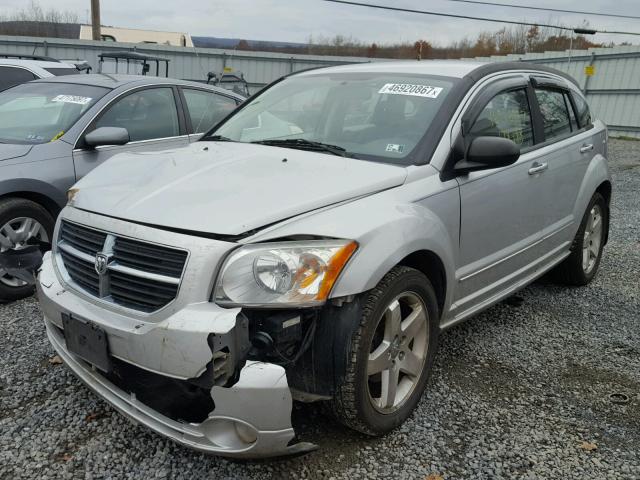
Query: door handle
{"points": [[586, 148], [538, 168]]}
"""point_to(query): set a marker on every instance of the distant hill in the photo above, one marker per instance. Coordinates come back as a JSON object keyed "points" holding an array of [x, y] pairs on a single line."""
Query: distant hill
{"points": [[242, 44], [73, 30]]}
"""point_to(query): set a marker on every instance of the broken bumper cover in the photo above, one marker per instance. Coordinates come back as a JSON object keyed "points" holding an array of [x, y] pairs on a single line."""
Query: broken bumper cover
{"points": [[251, 419]]}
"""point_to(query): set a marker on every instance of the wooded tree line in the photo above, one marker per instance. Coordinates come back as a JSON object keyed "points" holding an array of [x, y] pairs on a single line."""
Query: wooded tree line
{"points": [[515, 39]]}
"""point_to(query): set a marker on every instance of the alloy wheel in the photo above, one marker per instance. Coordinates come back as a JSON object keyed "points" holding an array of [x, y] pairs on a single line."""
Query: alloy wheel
{"points": [[397, 353], [592, 239]]}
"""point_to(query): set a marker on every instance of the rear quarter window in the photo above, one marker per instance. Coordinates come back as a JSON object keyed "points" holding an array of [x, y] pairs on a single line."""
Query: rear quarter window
{"points": [[11, 76], [555, 115]]}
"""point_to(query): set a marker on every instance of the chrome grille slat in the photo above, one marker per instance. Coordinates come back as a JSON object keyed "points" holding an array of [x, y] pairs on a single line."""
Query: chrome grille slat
{"points": [[144, 275], [73, 251], [138, 275]]}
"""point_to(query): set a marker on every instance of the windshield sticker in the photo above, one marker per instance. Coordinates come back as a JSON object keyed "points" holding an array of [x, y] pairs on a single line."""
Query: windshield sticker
{"points": [[72, 99], [413, 90], [61, 133], [395, 148]]}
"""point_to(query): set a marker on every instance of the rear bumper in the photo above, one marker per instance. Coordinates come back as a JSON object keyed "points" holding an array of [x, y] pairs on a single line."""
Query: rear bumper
{"points": [[251, 419]]}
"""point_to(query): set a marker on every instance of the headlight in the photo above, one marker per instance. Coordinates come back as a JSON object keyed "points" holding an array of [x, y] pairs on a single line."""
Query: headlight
{"points": [[282, 274]]}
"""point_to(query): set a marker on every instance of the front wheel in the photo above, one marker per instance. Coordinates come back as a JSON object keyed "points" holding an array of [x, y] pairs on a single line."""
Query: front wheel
{"points": [[391, 354], [21, 222]]}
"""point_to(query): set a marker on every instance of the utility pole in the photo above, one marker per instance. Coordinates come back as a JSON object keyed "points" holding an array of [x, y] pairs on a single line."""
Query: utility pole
{"points": [[95, 20]]}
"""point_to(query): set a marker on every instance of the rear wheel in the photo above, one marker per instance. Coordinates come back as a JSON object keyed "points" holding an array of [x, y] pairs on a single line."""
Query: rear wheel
{"points": [[391, 354], [21, 221], [581, 266]]}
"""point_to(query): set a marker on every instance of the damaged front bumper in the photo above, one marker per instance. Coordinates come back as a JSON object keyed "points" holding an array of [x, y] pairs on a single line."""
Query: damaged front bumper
{"points": [[250, 419]]}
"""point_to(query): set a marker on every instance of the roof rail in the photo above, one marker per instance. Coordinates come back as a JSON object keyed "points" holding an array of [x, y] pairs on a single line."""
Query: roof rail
{"points": [[135, 57], [21, 56]]}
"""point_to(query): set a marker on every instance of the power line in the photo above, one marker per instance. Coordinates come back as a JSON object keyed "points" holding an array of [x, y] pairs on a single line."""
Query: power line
{"points": [[483, 19], [526, 7]]}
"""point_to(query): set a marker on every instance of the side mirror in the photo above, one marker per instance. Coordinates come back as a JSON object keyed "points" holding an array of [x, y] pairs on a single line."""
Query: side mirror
{"points": [[485, 153], [107, 136]]}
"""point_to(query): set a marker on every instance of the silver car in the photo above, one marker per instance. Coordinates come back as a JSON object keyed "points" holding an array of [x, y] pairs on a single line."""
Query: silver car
{"points": [[55, 130], [315, 243]]}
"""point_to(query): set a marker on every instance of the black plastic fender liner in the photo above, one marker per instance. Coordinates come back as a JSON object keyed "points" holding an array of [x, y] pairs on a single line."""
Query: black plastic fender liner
{"points": [[229, 355], [22, 263], [322, 368]]}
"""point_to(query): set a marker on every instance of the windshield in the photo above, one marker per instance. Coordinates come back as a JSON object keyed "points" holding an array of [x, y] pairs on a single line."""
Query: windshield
{"points": [[376, 116], [35, 113]]}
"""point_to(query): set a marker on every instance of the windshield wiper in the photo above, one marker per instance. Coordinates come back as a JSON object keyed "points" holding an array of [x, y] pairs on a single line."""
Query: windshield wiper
{"points": [[302, 144], [216, 138]]}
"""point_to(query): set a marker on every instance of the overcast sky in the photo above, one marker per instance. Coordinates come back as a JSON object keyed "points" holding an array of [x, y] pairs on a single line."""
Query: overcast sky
{"points": [[297, 20]]}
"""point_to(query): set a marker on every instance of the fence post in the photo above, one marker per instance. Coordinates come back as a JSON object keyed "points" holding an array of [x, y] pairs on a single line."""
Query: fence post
{"points": [[291, 62], [587, 77]]}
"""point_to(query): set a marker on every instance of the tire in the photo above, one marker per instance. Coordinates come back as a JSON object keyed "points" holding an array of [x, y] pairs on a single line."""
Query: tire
{"points": [[356, 403], [575, 270], [18, 208]]}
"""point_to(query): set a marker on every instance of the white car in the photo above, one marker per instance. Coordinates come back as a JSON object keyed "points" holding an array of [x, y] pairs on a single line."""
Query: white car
{"points": [[14, 71]]}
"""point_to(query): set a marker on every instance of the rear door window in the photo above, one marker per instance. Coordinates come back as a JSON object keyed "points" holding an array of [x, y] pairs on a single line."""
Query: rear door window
{"points": [[206, 109], [555, 116], [582, 111], [506, 115], [11, 76]]}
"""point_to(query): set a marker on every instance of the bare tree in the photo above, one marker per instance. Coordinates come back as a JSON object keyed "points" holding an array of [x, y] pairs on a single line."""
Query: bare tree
{"points": [[35, 13]]}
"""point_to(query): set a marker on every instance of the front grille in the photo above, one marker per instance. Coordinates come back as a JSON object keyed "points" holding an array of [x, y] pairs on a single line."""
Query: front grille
{"points": [[82, 272], [85, 239], [149, 258], [140, 294], [137, 275]]}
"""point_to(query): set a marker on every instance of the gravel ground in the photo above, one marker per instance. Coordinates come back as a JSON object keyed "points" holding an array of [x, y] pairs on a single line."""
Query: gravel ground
{"points": [[521, 391]]}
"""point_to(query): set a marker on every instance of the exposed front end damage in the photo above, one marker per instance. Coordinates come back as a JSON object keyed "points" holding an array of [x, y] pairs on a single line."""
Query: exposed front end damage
{"points": [[188, 376]]}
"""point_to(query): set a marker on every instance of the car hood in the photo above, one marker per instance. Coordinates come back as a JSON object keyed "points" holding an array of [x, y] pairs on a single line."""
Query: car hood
{"points": [[227, 188], [9, 151]]}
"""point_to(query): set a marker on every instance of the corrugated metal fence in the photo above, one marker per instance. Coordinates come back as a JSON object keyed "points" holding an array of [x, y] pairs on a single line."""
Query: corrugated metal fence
{"points": [[259, 68], [613, 90]]}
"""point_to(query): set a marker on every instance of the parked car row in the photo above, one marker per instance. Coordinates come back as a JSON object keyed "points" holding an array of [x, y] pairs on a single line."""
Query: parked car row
{"points": [[310, 246], [55, 130]]}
